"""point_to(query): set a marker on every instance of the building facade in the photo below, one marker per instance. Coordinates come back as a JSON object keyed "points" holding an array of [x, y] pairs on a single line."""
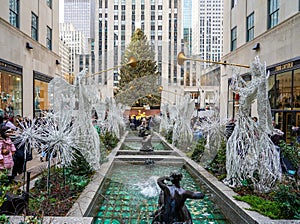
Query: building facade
{"points": [[74, 39], [161, 23], [81, 14], [203, 40], [29, 54], [65, 61], [270, 30]]}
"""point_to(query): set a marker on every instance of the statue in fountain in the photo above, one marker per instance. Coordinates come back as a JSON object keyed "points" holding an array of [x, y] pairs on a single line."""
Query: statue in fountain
{"points": [[146, 144], [171, 201]]}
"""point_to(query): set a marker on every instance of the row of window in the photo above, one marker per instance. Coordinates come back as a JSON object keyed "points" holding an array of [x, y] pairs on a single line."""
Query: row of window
{"points": [[273, 17], [14, 6]]}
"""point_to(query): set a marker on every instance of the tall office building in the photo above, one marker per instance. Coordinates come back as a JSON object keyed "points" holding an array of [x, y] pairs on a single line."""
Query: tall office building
{"points": [[208, 30], [81, 13], [74, 39], [203, 39], [161, 23]]}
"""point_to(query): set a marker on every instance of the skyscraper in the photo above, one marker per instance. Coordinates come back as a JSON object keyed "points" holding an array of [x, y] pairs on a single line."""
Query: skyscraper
{"points": [[203, 39], [81, 13], [161, 23]]}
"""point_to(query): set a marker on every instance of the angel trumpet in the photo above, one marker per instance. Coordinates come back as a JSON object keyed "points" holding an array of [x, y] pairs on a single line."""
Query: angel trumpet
{"points": [[181, 58], [132, 62]]}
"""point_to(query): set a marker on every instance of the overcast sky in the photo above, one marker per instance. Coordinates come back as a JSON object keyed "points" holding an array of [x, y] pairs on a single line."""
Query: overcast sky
{"points": [[61, 11]]}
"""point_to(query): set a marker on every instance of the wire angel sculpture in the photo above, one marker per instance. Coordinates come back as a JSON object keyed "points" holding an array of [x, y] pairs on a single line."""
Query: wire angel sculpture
{"points": [[182, 132], [74, 103], [115, 120], [250, 153], [214, 131], [165, 123]]}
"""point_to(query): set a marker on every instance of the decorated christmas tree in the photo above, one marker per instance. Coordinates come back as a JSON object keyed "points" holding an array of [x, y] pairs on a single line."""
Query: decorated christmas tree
{"points": [[138, 85]]}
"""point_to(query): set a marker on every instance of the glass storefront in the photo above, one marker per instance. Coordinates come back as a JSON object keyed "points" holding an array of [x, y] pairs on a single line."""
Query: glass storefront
{"points": [[10, 94], [40, 96], [284, 96], [10, 89]]}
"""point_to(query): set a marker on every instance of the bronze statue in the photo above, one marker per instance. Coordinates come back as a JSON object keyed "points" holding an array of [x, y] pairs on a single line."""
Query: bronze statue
{"points": [[171, 201]]}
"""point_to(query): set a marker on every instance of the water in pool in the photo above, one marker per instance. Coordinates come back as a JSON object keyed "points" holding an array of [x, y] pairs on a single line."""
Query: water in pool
{"points": [[157, 146], [131, 194]]}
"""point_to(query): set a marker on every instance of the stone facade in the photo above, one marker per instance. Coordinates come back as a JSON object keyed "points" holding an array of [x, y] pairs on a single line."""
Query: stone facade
{"points": [[19, 50]]}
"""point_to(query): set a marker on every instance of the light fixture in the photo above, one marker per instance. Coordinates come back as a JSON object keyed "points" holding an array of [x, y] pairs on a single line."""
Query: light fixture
{"points": [[256, 46], [57, 62], [29, 46]]}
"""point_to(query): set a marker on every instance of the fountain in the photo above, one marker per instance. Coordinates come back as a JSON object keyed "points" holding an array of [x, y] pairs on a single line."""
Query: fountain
{"points": [[130, 194]]}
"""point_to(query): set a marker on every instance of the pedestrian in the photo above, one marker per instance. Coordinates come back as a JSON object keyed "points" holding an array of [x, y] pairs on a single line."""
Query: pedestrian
{"points": [[7, 150]]}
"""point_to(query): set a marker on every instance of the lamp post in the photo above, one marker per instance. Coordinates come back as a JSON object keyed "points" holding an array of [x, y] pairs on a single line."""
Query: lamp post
{"points": [[198, 100]]}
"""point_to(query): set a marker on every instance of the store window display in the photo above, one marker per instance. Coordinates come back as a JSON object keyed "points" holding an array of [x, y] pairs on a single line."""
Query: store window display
{"points": [[10, 95], [41, 99]]}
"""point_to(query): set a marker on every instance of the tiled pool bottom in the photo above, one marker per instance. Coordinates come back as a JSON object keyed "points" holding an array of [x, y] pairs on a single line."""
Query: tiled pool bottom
{"points": [[130, 196]]}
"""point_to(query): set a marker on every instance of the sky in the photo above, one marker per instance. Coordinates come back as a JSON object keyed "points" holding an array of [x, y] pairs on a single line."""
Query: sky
{"points": [[61, 11]]}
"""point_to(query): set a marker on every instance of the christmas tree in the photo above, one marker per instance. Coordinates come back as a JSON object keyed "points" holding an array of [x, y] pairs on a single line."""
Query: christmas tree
{"points": [[138, 85]]}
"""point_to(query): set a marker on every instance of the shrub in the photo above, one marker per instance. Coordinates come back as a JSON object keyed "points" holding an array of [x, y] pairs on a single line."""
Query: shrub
{"points": [[198, 150], [291, 152], [109, 140], [289, 201]]}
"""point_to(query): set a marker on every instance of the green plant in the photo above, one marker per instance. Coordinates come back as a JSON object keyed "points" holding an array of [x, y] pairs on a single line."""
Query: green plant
{"points": [[291, 152], [4, 186], [169, 136], [79, 165], [218, 164], [66, 184], [109, 140], [289, 201], [198, 150], [266, 207], [4, 219]]}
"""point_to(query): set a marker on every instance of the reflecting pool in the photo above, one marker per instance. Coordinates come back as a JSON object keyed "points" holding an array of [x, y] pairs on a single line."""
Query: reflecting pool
{"points": [[130, 195]]}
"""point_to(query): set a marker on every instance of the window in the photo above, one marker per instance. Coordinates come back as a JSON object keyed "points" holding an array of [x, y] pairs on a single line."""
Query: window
{"points": [[273, 8], [34, 26], [233, 3], [49, 3], [233, 39], [250, 27], [14, 13], [49, 38]]}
